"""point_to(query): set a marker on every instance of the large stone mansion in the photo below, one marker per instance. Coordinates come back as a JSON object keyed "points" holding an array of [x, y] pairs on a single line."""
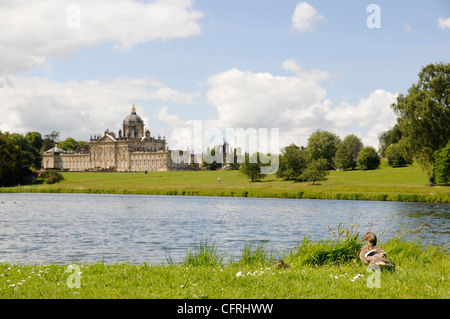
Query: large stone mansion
{"points": [[133, 149]]}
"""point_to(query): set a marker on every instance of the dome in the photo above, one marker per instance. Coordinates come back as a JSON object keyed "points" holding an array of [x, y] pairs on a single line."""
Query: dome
{"points": [[133, 118]]}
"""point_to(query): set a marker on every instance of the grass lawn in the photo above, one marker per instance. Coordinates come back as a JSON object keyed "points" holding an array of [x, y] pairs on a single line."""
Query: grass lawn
{"points": [[329, 269], [386, 183]]}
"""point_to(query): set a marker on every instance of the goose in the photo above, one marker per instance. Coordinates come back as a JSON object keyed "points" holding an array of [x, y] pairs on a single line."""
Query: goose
{"points": [[371, 253]]}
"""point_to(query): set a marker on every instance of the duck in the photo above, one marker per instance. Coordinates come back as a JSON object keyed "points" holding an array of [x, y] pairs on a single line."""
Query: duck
{"points": [[281, 264], [372, 254]]}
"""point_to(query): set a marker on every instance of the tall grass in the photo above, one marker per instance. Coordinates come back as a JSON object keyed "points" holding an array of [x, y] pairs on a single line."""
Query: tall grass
{"points": [[255, 255], [205, 255]]}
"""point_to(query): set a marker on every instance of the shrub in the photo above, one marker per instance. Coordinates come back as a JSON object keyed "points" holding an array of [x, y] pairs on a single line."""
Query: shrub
{"points": [[442, 165], [52, 179], [368, 158], [51, 176]]}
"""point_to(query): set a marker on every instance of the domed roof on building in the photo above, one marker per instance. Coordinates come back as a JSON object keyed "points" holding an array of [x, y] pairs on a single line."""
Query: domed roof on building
{"points": [[133, 118]]}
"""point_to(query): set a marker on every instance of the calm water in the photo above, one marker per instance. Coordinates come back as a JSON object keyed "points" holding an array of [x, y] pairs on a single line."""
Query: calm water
{"points": [[65, 228]]}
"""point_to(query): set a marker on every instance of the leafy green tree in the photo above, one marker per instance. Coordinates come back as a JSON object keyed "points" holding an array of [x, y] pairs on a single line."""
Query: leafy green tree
{"points": [[14, 167], [69, 144], [50, 140], [347, 152], [252, 167], [323, 144], [368, 158], [395, 156], [316, 171], [292, 161], [424, 113], [209, 161], [442, 165], [30, 155], [389, 137], [34, 140]]}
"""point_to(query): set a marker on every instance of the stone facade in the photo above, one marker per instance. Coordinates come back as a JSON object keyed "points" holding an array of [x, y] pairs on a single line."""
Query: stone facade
{"points": [[133, 149]]}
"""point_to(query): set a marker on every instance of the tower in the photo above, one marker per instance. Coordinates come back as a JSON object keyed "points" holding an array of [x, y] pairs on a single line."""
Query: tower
{"points": [[133, 125]]}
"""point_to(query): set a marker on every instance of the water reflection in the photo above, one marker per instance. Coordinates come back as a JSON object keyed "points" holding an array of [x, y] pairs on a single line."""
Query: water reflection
{"points": [[64, 228]]}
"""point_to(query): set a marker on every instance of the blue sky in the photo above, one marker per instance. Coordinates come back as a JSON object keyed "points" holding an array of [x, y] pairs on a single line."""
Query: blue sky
{"points": [[227, 63]]}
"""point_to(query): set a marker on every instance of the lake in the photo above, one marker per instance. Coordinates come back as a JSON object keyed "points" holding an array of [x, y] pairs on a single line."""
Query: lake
{"points": [[87, 228]]}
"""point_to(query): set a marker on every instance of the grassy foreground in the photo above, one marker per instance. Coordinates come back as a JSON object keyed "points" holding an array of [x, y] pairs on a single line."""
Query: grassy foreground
{"points": [[391, 184], [326, 269]]}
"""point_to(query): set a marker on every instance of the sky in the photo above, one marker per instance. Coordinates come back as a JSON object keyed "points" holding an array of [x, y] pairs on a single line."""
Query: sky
{"points": [[78, 66]]}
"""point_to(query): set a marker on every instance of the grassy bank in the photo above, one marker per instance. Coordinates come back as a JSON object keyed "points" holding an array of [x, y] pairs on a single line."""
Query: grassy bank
{"points": [[325, 269], [389, 184]]}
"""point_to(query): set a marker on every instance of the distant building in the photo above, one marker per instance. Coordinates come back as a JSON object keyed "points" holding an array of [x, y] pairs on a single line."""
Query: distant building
{"points": [[133, 149], [227, 154]]}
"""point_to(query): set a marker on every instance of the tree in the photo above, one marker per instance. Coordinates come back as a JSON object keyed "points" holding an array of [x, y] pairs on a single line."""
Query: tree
{"points": [[347, 152], [293, 160], [368, 158], [389, 137], [323, 144], [14, 168], [35, 145], [424, 113], [30, 155], [395, 156], [50, 140], [316, 171], [209, 161], [252, 167], [69, 144], [442, 165]]}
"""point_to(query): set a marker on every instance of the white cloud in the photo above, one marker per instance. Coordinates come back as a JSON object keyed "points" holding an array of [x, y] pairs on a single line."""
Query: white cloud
{"points": [[314, 75], [246, 99], [444, 23], [35, 30], [370, 116], [305, 17], [77, 109], [297, 105]]}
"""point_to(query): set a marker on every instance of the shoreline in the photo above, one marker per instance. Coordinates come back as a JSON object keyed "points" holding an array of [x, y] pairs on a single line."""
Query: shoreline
{"points": [[405, 184], [328, 195], [203, 274]]}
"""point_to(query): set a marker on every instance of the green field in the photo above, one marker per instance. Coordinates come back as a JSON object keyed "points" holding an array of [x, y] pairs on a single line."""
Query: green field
{"points": [[386, 183]]}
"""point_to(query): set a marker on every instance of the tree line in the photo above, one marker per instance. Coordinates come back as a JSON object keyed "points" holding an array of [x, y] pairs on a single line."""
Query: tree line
{"points": [[421, 134], [325, 151]]}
